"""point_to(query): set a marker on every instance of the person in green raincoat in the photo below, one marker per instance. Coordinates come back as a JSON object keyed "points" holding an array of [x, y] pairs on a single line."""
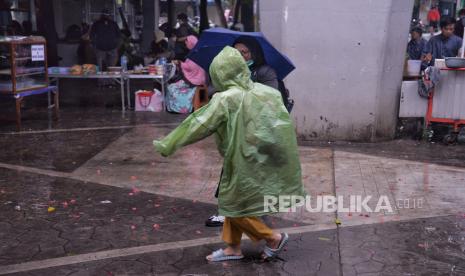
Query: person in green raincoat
{"points": [[256, 137]]}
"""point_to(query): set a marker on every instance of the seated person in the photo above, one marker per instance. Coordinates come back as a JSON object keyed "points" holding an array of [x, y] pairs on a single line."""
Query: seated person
{"points": [[460, 24], [182, 32], [128, 48], [27, 27], [85, 51], [73, 33], [443, 45], [417, 44], [159, 47], [180, 92], [15, 28]]}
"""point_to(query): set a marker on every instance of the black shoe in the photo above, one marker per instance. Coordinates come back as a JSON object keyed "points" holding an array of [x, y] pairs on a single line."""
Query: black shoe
{"points": [[214, 221]]}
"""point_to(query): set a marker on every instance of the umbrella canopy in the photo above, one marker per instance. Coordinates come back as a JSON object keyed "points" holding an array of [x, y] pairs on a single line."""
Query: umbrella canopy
{"points": [[212, 41]]}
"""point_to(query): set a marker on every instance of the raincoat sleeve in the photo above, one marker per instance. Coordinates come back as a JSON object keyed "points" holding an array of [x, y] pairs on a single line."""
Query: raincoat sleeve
{"points": [[197, 126]]}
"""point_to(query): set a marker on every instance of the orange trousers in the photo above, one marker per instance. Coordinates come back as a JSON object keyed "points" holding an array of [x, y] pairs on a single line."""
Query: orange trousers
{"points": [[253, 227]]}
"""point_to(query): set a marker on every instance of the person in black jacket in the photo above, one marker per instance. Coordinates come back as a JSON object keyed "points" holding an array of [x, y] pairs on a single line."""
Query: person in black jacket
{"points": [[460, 24], [416, 44], [253, 55], [261, 72], [105, 36], [160, 47], [182, 32]]}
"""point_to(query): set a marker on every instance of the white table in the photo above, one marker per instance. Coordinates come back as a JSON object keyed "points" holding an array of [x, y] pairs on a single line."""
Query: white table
{"points": [[119, 78]]}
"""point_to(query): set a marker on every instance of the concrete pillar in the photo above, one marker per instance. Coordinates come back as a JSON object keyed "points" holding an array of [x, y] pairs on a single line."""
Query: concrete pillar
{"points": [[148, 11], [156, 10], [171, 13], [349, 57], [33, 15], [247, 15]]}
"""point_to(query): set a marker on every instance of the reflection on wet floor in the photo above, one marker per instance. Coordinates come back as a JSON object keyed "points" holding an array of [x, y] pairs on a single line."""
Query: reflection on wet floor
{"points": [[433, 246], [64, 151], [37, 119], [44, 217], [116, 192], [405, 149]]}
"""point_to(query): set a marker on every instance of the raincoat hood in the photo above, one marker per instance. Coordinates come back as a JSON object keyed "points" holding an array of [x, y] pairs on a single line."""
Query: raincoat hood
{"points": [[228, 69]]}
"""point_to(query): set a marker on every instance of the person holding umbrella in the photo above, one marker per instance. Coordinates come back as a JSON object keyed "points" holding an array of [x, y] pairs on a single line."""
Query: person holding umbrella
{"points": [[263, 56], [260, 70], [212, 41], [256, 137], [253, 56]]}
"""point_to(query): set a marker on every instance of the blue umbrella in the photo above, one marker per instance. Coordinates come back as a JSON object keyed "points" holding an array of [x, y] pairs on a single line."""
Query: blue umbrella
{"points": [[212, 41]]}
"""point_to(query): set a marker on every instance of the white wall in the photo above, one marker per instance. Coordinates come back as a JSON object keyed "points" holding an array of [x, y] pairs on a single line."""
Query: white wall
{"points": [[349, 58]]}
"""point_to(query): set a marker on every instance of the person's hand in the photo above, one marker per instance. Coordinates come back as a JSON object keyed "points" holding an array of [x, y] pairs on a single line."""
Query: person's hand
{"points": [[428, 57], [159, 148], [175, 62], [86, 37]]}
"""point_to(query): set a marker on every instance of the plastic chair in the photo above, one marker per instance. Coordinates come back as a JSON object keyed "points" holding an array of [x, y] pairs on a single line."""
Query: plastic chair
{"points": [[200, 97]]}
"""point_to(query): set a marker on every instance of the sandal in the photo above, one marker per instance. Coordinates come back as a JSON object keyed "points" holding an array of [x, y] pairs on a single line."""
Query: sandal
{"points": [[219, 256], [214, 221], [273, 253]]}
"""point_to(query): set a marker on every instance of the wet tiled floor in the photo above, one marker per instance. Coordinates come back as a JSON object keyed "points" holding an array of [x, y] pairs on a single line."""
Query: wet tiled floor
{"points": [[405, 149], [419, 247], [54, 150], [90, 217], [37, 119], [121, 209], [320, 259]]}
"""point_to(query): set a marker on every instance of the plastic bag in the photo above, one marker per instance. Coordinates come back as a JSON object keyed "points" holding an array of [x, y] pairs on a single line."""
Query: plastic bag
{"points": [[149, 101]]}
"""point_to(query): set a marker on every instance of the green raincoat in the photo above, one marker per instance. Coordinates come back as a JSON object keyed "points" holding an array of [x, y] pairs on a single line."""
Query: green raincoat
{"points": [[253, 133]]}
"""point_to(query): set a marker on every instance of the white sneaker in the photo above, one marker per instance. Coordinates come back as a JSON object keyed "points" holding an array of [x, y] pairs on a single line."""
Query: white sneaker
{"points": [[214, 221]]}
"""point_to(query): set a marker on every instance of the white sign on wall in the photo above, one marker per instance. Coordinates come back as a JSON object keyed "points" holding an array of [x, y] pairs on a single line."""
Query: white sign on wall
{"points": [[37, 52]]}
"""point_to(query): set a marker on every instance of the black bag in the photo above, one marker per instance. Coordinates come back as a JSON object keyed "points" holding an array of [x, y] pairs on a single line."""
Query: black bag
{"points": [[288, 102]]}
